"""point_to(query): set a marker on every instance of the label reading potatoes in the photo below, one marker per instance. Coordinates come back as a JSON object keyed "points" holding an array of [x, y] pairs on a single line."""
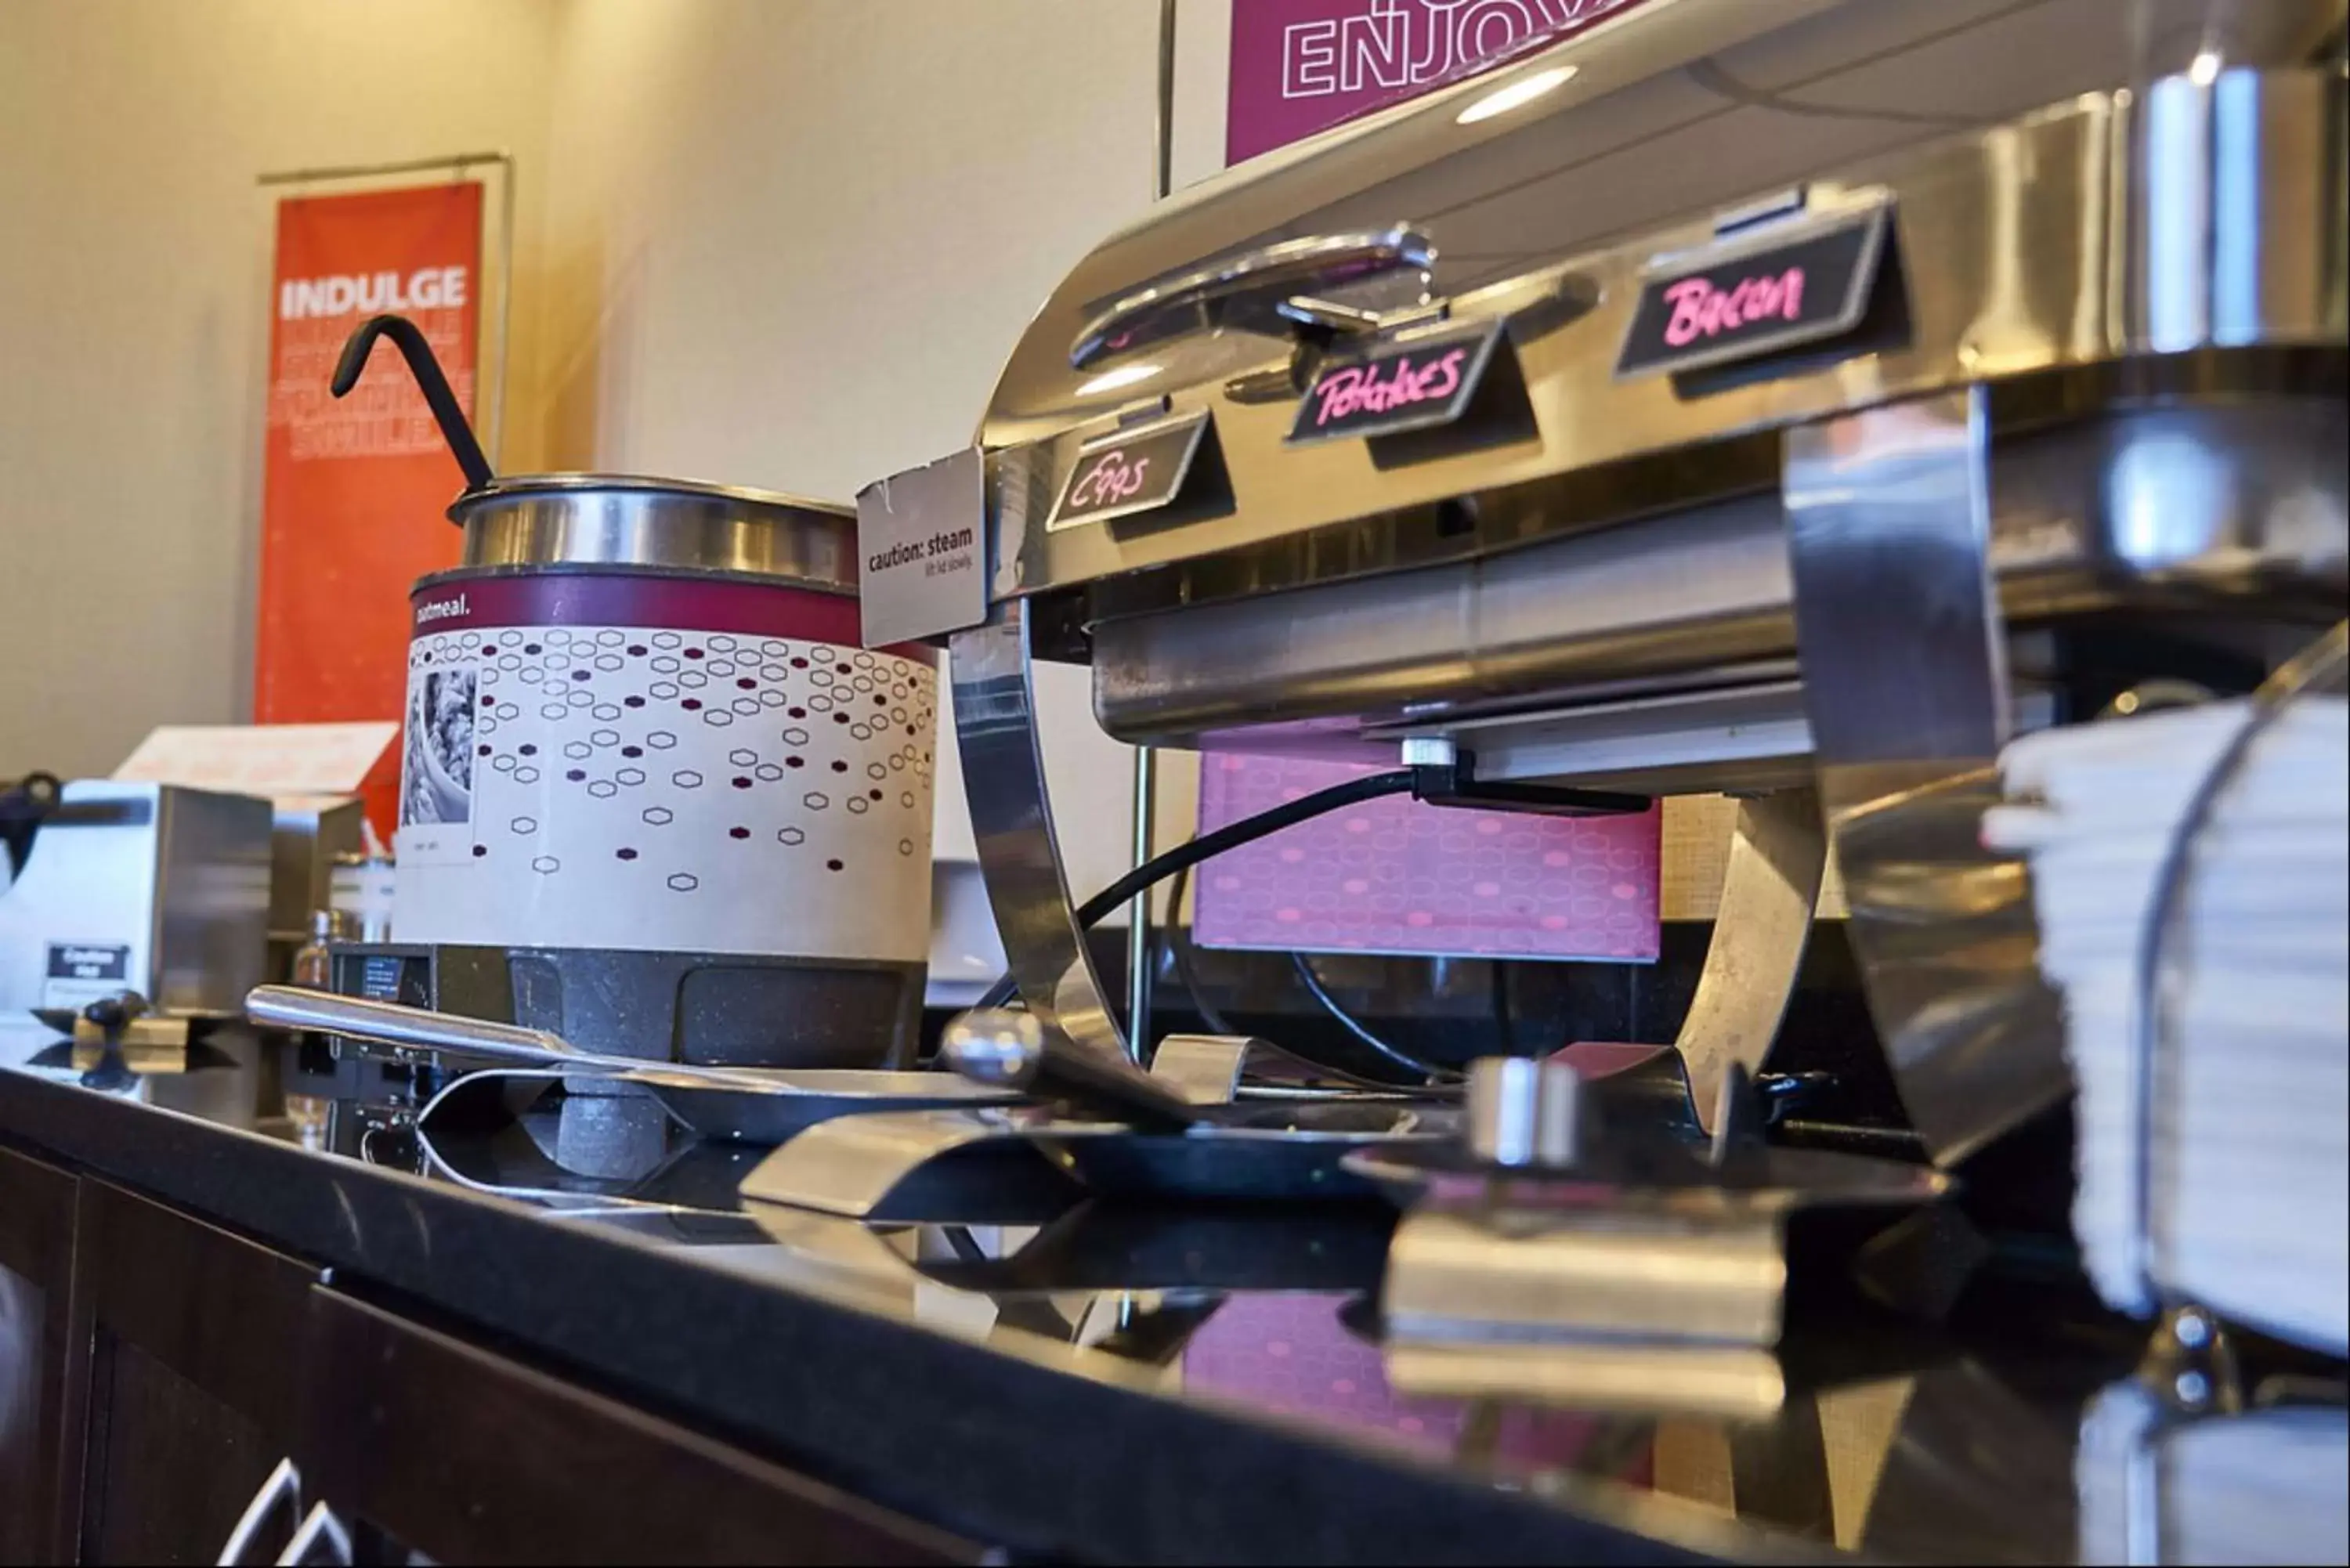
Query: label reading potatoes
{"points": [[921, 540], [1414, 386]]}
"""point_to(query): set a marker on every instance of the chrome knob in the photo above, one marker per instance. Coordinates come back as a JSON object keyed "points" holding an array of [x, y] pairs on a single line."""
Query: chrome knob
{"points": [[998, 1046], [1525, 1113]]}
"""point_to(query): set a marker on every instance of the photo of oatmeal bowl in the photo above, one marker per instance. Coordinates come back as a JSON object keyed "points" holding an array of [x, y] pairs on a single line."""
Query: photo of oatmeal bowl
{"points": [[437, 772]]}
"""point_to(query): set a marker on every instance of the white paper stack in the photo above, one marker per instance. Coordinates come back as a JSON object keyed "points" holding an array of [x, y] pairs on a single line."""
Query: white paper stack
{"points": [[2250, 1135], [2261, 1486]]}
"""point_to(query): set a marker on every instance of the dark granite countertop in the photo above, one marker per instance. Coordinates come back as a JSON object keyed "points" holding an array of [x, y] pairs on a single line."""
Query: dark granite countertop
{"points": [[1119, 1386]]}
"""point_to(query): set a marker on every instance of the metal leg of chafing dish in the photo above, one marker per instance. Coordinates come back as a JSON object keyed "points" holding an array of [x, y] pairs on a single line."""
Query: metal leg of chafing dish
{"points": [[837, 1168], [1205, 1069], [1139, 954], [1714, 1275], [853, 1170], [1778, 849], [1011, 819], [1904, 656]]}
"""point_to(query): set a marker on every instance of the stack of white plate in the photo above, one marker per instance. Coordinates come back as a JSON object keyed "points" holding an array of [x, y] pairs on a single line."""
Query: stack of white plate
{"points": [[2261, 1486], [2248, 1149]]}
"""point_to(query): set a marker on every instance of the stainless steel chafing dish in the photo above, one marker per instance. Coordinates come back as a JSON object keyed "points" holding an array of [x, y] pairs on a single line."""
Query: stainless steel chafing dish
{"points": [[2085, 405]]}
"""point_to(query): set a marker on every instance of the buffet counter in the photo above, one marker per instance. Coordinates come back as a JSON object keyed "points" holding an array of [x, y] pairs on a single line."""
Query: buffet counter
{"points": [[504, 1358]]}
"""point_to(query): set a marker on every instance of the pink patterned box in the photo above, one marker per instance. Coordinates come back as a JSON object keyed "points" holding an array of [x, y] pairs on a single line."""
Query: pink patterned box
{"points": [[1393, 875]]}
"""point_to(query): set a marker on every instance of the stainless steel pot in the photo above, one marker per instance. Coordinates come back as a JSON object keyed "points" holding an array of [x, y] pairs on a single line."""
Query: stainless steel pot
{"points": [[658, 524], [646, 759]]}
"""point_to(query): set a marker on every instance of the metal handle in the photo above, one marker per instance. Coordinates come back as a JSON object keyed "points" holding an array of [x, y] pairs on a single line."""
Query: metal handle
{"points": [[319, 1538], [455, 429], [283, 1488], [389, 1023], [1245, 290], [422, 1029]]}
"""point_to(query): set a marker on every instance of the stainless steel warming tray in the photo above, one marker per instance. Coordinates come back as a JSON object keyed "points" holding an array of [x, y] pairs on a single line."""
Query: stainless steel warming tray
{"points": [[2071, 363]]}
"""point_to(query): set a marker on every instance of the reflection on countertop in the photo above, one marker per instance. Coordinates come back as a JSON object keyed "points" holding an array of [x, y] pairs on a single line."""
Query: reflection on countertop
{"points": [[2014, 1434], [226, 1079]]}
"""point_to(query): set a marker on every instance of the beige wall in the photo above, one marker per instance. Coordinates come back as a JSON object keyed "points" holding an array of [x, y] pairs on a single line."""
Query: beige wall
{"points": [[794, 243], [134, 276]]}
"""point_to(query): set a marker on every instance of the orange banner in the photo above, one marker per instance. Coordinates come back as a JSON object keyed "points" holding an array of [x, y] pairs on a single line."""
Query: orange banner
{"points": [[353, 490]]}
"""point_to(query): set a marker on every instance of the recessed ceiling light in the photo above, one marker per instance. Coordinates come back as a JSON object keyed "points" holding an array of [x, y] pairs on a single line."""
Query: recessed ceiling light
{"points": [[1525, 89], [1111, 381]]}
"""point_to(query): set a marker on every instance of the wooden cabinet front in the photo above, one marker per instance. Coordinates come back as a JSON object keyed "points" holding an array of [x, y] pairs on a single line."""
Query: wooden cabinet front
{"points": [[188, 1350], [471, 1456], [154, 1369], [37, 1215]]}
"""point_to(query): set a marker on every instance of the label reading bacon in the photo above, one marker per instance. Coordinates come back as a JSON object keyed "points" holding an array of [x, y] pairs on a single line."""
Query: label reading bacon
{"points": [[1403, 387], [1701, 311], [1748, 299]]}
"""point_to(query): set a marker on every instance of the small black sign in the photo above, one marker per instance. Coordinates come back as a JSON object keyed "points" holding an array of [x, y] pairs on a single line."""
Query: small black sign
{"points": [[1415, 385], [1129, 471], [1794, 283], [89, 961]]}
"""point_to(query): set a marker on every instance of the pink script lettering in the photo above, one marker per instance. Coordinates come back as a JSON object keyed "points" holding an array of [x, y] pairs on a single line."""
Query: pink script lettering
{"points": [[1111, 480], [1379, 389], [1701, 310]]}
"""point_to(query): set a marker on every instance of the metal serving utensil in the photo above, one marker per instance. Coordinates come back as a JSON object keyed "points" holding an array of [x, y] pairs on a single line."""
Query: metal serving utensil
{"points": [[750, 1104]]}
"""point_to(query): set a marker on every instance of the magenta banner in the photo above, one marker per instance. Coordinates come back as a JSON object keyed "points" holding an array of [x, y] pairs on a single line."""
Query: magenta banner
{"points": [[1303, 66]]}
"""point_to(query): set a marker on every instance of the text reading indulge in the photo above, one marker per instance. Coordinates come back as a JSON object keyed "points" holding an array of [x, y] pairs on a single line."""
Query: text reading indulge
{"points": [[379, 292]]}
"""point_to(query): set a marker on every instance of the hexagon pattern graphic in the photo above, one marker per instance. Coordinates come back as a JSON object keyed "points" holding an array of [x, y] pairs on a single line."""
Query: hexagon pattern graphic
{"points": [[611, 702], [1393, 875]]}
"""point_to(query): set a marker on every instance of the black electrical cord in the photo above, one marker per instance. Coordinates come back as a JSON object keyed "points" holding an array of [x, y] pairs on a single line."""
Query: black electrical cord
{"points": [[1232, 836], [1321, 993], [1179, 947]]}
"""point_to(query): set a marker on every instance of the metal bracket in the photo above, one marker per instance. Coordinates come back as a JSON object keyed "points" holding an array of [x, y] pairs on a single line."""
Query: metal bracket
{"points": [[993, 666], [1205, 1069], [851, 1166], [1778, 851], [1011, 819], [1904, 655], [1696, 1274], [2191, 1362]]}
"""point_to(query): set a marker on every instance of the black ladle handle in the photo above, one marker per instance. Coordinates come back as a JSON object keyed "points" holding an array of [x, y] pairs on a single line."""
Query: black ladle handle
{"points": [[455, 428]]}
